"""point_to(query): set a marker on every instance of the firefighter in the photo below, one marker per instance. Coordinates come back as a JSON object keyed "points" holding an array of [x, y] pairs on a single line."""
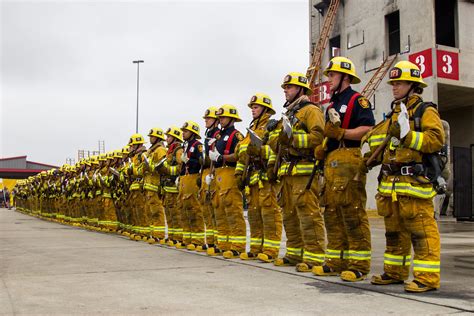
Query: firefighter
{"points": [[231, 228], [348, 250], [264, 214], [207, 193], [106, 178], [82, 190], [139, 228], [302, 216], [171, 169], [93, 195], [116, 188], [405, 195], [103, 198], [192, 219], [125, 181], [153, 204]]}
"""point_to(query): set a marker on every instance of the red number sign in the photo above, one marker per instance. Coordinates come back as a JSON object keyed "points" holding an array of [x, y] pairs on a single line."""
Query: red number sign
{"points": [[447, 64], [324, 95], [424, 60]]}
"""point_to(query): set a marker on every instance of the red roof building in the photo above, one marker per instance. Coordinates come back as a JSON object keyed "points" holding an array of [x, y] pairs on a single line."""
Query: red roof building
{"points": [[20, 168]]}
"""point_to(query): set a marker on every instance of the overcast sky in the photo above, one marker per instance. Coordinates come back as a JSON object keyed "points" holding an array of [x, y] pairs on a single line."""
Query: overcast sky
{"points": [[67, 78]]}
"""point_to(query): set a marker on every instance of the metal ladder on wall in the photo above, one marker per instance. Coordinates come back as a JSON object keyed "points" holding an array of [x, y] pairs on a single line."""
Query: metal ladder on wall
{"points": [[314, 73], [379, 74]]}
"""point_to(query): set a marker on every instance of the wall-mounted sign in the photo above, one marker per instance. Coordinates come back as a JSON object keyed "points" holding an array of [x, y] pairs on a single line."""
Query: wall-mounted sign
{"points": [[324, 95], [424, 60], [447, 63]]}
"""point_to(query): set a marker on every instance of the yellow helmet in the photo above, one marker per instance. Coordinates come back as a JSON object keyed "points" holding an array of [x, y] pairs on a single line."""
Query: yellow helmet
{"points": [[343, 65], [228, 110], [210, 112], [125, 150], [87, 162], [117, 153], [193, 127], [102, 157], [110, 155], [95, 160], [406, 71], [263, 100], [175, 132], [157, 132], [136, 139], [297, 79]]}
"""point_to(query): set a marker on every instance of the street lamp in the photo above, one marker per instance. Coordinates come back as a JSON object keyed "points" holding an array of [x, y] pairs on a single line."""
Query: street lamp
{"points": [[138, 78]]}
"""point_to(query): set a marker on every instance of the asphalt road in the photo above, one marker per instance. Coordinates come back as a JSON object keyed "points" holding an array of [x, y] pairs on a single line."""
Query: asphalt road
{"points": [[49, 268]]}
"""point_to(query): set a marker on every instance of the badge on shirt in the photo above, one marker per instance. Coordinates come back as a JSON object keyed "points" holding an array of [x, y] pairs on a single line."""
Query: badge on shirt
{"points": [[364, 103], [191, 149], [226, 138], [343, 108]]}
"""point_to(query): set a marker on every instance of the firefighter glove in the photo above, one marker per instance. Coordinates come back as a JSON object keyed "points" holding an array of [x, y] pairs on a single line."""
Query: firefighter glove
{"points": [[334, 131]]}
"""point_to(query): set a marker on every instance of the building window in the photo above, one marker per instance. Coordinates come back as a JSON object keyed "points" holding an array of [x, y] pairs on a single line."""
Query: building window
{"points": [[335, 46], [393, 28], [445, 17]]}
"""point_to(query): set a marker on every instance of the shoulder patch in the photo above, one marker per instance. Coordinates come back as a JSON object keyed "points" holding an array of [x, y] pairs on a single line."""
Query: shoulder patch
{"points": [[200, 148], [218, 136], [364, 103], [239, 136]]}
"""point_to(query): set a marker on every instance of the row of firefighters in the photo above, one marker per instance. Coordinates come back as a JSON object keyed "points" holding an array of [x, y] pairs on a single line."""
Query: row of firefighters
{"points": [[189, 194]]}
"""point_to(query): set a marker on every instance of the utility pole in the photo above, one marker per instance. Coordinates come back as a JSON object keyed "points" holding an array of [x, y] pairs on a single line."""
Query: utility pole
{"points": [[138, 62]]}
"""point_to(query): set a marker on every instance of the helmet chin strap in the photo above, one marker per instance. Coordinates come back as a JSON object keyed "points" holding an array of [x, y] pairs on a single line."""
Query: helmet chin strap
{"points": [[215, 124], [288, 102], [339, 85], [227, 125], [190, 138], [407, 95], [258, 117]]}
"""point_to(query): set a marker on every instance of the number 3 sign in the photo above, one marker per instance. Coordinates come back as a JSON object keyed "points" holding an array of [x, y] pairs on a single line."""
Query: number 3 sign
{"points": [[424, 61], [447, 63]]}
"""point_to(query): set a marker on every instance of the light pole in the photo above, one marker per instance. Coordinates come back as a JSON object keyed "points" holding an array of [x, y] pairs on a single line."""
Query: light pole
{"points": [[138, 80]]}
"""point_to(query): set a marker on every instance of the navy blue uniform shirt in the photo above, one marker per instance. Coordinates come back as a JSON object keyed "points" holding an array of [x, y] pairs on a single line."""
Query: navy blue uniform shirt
{"points": [[209, 135], [193, 149], [361, 115], [223, 138]]}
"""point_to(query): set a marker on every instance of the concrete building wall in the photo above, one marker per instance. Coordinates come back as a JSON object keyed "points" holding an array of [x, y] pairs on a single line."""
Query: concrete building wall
{"points": [[466, 42], [461, 124], [363, 30]]}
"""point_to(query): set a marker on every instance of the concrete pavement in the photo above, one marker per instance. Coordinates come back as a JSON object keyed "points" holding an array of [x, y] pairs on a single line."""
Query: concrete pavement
{"points": [[48, 268]]}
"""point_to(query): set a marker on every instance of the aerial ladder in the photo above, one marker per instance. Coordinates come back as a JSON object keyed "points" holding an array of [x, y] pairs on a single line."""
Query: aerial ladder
{"points": [[314, 73]]}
